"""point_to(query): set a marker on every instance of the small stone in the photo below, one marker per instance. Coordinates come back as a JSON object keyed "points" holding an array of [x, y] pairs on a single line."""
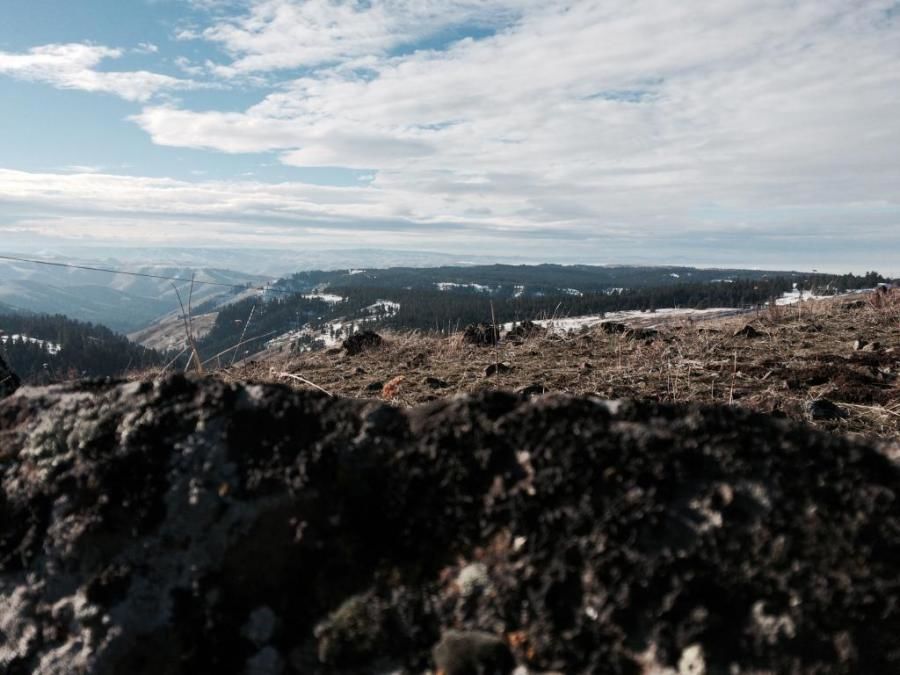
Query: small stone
{"points": [[823, 409], [612, 327], [747, 331], [496, 368], [529, 390], [472, 578], [483, 334], [641, 333], [473, 653], [354, 634], [525, 330], [375, 386], [436, 383]]}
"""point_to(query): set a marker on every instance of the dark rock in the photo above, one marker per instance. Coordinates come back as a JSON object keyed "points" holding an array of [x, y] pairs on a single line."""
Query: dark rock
{"points": [[612, 327], [360, 342], [872, 347], [194, 526], [823, 409], [436, 383], [525, 330], [748, 331], [535, 389], [497, 368], [483, 334], [9, 381], [473, 653], [641, 333], [418, 360], [375, 386], [859, 344], [354, 634]]}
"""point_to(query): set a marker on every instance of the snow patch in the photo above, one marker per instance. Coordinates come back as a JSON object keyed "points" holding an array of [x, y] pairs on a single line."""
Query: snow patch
{"points": [[385, 307], [51, 347], [330, 298], [450, 285], [563, 325]]}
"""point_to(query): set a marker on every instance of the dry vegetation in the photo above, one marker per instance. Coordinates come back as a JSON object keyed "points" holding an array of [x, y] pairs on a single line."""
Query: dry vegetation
{"points": [[798, 354]]}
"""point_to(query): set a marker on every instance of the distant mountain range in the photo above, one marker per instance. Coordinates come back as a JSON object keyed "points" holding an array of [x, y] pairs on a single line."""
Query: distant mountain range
{"points": [[121, 302], [270, 262]]}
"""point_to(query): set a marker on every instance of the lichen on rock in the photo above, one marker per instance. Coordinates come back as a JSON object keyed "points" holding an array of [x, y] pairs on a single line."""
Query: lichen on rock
{"points": [[189, 525]]}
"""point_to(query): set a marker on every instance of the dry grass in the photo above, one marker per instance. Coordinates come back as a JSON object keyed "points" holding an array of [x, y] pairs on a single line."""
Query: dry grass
{"points": [[799, 355]]}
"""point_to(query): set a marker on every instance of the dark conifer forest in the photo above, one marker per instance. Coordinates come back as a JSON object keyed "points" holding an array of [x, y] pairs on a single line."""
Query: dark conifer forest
{"points": [[44, 348]]}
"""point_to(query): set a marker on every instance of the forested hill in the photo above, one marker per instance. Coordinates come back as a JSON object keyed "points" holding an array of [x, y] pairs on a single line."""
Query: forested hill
{"points": [[51, 348], [316, 305], [519, 280]]}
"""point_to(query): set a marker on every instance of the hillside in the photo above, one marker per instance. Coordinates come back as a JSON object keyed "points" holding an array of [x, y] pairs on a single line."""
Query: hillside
{"points": [[123, 302], [845, 349], [317, 309]]}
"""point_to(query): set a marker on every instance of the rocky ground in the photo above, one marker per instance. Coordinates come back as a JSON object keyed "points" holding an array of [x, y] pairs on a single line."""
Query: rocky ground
{"points": [[780, 361], [194, 525]]}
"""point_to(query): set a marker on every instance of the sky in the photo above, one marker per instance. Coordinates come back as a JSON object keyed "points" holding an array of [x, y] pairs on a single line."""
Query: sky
{"points": [[724, 132]]}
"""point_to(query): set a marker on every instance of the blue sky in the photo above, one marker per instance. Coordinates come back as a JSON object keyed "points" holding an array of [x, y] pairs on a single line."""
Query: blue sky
{"points": [[755, 132]]}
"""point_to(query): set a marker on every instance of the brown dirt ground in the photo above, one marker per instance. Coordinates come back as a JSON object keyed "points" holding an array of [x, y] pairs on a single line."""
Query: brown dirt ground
{"points": [[802, 353]]}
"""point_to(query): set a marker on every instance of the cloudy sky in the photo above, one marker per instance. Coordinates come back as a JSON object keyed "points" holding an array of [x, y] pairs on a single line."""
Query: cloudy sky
{"points": [[756, 132]]}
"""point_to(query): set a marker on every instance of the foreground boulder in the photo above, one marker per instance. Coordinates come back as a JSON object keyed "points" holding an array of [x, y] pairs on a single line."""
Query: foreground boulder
{"points": [[9, 381], [191, 526]]}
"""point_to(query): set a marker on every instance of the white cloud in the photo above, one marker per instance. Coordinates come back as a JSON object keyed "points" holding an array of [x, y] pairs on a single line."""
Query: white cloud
{"points": [[578, 115], [73, 66], [641, 121], [277, 34]]}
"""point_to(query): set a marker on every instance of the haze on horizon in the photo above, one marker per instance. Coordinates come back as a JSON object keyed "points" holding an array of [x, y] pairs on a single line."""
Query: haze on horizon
{"points": [[737, 132]]}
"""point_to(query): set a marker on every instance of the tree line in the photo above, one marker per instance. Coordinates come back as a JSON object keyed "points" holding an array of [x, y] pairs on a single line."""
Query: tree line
{"points": [[85, 349]]}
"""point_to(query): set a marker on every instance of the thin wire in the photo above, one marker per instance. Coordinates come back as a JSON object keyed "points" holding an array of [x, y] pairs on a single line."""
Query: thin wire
{"points": [[143, 274]]}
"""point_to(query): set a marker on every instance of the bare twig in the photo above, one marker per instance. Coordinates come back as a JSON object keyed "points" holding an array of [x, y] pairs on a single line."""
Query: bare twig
{"points": [[872, 408], [239, 344], [733, 376], [305, 381], [187, 330], [243, 333], [172, 362], [495, 340]]}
